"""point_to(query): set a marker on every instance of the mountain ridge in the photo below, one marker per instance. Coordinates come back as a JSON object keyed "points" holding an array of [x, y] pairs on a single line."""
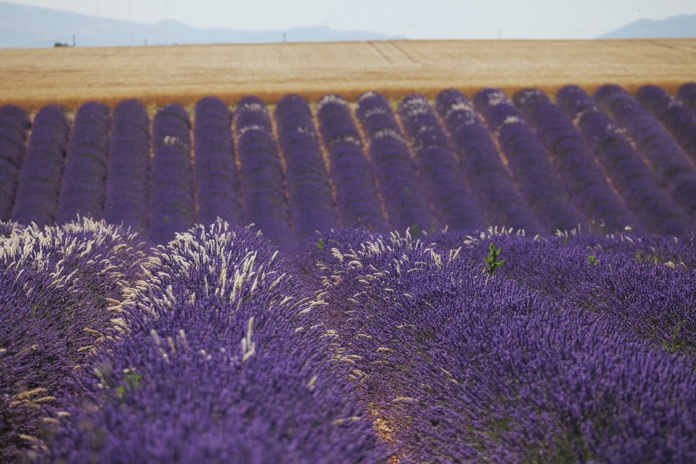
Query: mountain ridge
{"points": [[680, 26], [35, 27]]}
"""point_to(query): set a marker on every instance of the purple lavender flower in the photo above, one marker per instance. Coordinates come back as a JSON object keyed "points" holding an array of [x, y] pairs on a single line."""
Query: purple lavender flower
{"points": [[438, 166], [14, 124], [128, 173], [585, 181], [217, 178], [674, 170], [673, 114], [487, 176], [309, 193], [351, 173], [687, 95], [83, 187], [552, 356], [172, 207], [42, 170], [60, 289], [261, 174], [633, 180], [404, 197], [224, 361], [528, 161]]}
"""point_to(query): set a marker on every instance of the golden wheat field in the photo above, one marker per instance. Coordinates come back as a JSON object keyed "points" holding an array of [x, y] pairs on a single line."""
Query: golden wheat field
{"points": [[185, 73]]}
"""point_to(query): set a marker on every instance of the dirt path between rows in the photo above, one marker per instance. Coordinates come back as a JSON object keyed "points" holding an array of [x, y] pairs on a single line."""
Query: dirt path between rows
{"points": [[185, 73]]}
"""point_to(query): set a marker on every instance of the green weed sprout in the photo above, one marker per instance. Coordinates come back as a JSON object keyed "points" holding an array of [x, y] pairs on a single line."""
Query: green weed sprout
{"points": [[492, 261], [673, 345]]}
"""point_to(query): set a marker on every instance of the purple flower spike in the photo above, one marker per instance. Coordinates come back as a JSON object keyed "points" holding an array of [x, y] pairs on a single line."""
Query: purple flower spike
{"points": [[59, 294], [224, 361]]}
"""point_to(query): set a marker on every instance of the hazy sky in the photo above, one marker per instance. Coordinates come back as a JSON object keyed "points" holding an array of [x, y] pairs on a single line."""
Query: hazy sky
{"points": [[425, 19]]}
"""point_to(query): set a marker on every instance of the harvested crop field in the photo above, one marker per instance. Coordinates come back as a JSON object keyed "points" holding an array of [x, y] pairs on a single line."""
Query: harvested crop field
{"points": [[185, 73]]}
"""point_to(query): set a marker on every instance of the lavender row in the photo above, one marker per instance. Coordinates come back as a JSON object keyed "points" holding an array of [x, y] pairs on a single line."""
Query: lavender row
{"points": [[14, 124], [172, 206], [42, 170], [404, 198], [83, 185], [309, 193], [634, 181], [529, 162], [128, 172], [350, 171], [261, 174], [674, 169], [217, 178], [583, 177], [224, 361], [490, 181], [687, 95], [462, 365], [453, 202], [58, 286], [673, 114]]}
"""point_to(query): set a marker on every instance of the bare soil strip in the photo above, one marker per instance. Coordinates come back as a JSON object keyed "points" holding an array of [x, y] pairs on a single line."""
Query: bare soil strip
{"points": [[185, 73]]}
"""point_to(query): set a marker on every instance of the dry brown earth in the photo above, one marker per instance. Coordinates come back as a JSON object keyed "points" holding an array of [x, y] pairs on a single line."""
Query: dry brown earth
{"points": [[185, 73]]}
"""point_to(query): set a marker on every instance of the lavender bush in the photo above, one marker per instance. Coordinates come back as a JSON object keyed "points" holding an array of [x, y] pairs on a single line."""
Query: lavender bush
{"points": [[60, 289], [488, 177], [574, 161], [464, 366], [673, 114], [225, 361], [529, 162], [633, 180], [172, 206], [673, 168], [687, 95], [128, 172], [261, 174], [217, 177], [14, 124], [350, 171], [42, 170], [83, 187], [404, 197], [439, 168], [311, 203]]}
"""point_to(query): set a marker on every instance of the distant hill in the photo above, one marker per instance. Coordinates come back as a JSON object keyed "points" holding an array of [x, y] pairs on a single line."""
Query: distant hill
{"points": [[674, 27], [32, 27]]}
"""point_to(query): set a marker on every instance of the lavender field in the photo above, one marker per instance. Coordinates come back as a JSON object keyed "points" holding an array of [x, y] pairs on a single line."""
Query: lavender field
{"points": [[493, 278]]}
